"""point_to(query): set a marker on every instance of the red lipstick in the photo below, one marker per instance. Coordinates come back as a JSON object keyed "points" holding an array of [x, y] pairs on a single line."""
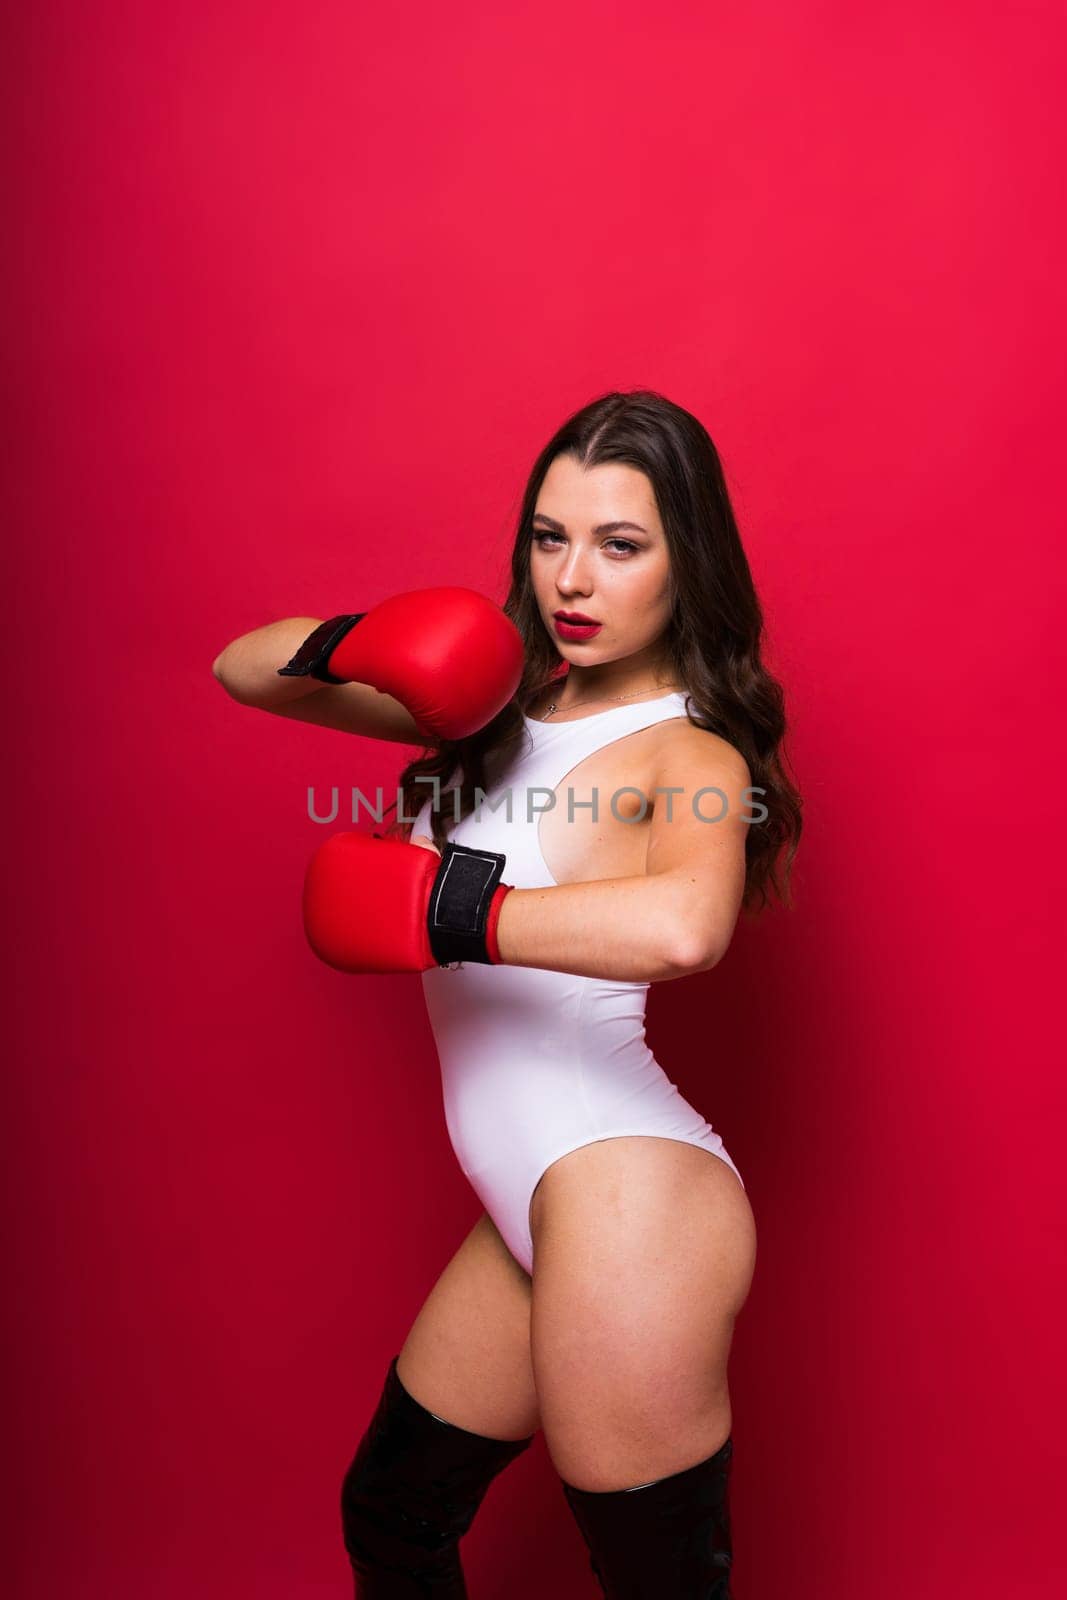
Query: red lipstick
{"points": [[575, 626]]}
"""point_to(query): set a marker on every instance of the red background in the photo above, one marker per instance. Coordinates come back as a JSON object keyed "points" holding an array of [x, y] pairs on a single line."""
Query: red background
{"points": [[295, 294]]}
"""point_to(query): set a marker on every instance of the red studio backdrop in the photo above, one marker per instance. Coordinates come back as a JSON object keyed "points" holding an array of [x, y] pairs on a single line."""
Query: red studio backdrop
{"points": [[294, 296]]}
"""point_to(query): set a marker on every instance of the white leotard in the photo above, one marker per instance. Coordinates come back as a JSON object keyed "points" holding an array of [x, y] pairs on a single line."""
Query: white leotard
{"points": [[535, 1064]]}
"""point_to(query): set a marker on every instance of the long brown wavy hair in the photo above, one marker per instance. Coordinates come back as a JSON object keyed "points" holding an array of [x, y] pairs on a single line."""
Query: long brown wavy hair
{"points": [[713, 638]]}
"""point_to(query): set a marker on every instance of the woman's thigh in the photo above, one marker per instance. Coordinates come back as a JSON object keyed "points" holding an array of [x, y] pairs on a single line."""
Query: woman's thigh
{"points": [[467, 1356], [644, 1253]]}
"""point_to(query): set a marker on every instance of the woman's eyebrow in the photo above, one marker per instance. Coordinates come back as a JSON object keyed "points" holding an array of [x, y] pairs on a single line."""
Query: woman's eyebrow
{"points": [[605, 527]]}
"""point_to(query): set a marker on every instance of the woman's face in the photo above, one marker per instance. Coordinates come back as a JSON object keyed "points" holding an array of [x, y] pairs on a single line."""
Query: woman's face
{"points": [[598, 548]]}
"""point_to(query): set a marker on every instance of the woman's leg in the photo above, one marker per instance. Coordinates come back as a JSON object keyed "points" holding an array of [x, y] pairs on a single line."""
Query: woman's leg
{"points": [[467, 1355], [458, 1406], [644, 1254], [667, 1538]]}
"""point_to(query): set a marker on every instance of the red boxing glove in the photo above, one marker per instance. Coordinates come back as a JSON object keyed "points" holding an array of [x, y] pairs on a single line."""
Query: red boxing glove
{"points": [[384, 905], [451, 656]]}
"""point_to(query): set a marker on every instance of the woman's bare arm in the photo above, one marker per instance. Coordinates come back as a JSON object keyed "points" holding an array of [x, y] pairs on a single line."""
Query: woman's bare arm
{"points": [[675, 918], [248, 670]]}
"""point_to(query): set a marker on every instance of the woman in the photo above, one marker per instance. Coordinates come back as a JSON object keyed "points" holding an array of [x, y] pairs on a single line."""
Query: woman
{"points": [[596, 1295]]}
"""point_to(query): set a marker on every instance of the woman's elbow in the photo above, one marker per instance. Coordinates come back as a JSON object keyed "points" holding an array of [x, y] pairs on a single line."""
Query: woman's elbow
{"points": [[224, 674], [690, 950], [218, 667]]}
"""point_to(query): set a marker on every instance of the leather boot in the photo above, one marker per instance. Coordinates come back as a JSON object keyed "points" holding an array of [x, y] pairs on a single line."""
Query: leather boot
{"points": [[409, 1496], [666, 1540]]}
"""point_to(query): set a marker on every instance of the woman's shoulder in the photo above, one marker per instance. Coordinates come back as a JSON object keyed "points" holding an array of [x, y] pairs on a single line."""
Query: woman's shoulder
{"points": [[682, 744]]}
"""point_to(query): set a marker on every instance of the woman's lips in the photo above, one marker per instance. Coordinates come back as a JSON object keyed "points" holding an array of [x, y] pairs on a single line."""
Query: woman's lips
{"points": [[576, 630]]}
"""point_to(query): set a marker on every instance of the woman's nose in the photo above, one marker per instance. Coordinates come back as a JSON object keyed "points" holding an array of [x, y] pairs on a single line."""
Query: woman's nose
{"points": [[573, 578]]}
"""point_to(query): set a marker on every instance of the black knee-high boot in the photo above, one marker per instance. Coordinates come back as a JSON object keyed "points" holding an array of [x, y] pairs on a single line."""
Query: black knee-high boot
{"points": [[411, 1493], [667, 1540]]}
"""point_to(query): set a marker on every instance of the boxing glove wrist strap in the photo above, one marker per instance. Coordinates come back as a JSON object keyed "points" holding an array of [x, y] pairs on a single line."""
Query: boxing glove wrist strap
{"points": [[464, 905], [312, 657]]}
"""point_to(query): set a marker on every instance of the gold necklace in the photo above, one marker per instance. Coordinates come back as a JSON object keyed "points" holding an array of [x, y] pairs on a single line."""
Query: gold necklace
{"points": [[554, 705]]}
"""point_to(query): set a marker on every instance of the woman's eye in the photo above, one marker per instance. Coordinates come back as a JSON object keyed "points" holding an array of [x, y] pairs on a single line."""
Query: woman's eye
{"points": [[623, 546]]}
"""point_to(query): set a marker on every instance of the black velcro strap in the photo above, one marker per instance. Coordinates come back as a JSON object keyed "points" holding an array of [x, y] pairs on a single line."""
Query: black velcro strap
{"points": [[459, 903], [310, 660]]}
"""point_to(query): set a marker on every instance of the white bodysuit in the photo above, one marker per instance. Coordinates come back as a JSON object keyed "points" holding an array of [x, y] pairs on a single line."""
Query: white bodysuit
{"points": [[535, 1064]]}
